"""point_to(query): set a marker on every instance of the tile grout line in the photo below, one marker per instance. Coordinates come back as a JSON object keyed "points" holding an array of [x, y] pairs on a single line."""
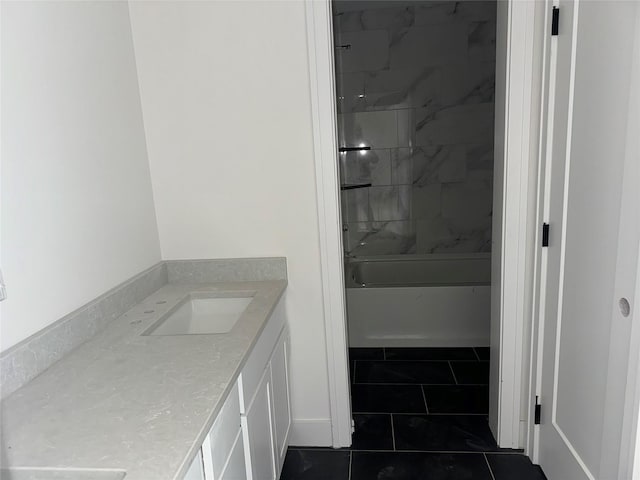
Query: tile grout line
{"points": [[441, 414], [393, 433], [373, 450], [351, 462], [355, 362], [424, 397], [488, 465], [420, 360], [419, 383], [453, 373], [476, 352], [384, 353]]}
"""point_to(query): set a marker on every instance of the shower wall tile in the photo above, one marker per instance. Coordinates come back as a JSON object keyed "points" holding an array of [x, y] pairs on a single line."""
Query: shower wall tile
{"points": [[434, 45], [480, 157], [390, 203], [427, 162], [454, 169], [392, 90], [374, 19], [372, 102], [369, 50], [482, 41], [468, 83], [477, 10], [438, 235], [406, 120], [350, 84], [355, 205], [480, 228], [460, 124], [353, 233], [382, 238], [436, 13], [374, 129], [468, 202], [367, 166], [401, 166], [422, 96], [432, 234], [426, 201], [414, 87]]}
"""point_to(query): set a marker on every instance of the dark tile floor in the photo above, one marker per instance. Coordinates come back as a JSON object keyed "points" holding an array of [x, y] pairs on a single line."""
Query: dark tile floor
{"points": [[420, 413]]}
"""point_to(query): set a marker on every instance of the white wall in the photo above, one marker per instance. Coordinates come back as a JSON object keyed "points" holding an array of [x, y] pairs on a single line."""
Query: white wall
{"points": [[225, 96], [77, 206]]}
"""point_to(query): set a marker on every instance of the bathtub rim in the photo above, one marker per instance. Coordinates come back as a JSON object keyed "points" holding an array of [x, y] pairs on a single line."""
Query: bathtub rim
{"points": [[351, 261], [416, 256]]}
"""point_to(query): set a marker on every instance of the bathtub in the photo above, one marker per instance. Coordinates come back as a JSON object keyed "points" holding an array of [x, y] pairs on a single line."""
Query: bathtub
{"points": [[439, 300]]}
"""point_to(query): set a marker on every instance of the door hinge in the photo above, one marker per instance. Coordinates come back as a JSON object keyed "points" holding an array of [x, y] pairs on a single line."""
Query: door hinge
{"points": [[555, 20], [545, 234], [537, 412]]}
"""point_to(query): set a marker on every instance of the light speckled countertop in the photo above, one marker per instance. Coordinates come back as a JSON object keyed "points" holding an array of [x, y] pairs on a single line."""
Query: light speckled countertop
{"points": [[123, 402]]}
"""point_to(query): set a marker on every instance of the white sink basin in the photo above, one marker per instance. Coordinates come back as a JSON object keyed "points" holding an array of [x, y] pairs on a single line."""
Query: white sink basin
{"points": [[202, 313]]}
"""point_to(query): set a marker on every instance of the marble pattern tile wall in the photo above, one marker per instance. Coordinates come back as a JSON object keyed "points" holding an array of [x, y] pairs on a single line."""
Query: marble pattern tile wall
{"points": [[415, 82]]}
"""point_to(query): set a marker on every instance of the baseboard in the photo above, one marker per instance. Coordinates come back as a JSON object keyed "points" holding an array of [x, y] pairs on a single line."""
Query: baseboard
{"points": [[311, 433]]}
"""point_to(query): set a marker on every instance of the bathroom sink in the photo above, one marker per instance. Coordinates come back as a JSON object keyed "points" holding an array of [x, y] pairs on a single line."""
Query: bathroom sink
{"points": [[59, 474], [202, 313]]}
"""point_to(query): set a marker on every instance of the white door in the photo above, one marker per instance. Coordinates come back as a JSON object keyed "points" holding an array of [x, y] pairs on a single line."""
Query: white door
{"points": [[592, 244]]}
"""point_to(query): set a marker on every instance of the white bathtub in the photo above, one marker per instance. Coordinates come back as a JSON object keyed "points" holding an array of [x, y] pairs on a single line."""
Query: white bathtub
{"points": [[439, 300]]}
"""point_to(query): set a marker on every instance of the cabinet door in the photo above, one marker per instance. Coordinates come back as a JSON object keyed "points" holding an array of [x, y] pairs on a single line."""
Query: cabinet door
{"points": [[217, 446], [195, 471], [236, 468], [258, 433], [281, 401]]}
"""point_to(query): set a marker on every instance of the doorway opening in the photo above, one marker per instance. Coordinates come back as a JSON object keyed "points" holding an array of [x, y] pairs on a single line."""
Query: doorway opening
{"points": [[415, 99], [511, 211]]}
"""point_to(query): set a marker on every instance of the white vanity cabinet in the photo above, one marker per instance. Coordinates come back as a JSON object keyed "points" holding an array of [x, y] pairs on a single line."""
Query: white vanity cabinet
{"points": [[258, 432], [195, 471], [249, 438], [264, 401], [220, 448], [281, 401]]}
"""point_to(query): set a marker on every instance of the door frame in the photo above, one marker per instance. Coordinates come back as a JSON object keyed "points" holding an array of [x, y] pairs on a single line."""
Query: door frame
{"points": [[518, 82], [325, 148]]}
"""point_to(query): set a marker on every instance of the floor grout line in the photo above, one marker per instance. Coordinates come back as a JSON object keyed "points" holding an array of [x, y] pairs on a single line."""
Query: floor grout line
{"points": [[424, 397], [421, 360], [488, 465], [393, 433], [454, 373], [434, 414], [391, 362], [476, 352], [427, 384], [457, 452]]}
